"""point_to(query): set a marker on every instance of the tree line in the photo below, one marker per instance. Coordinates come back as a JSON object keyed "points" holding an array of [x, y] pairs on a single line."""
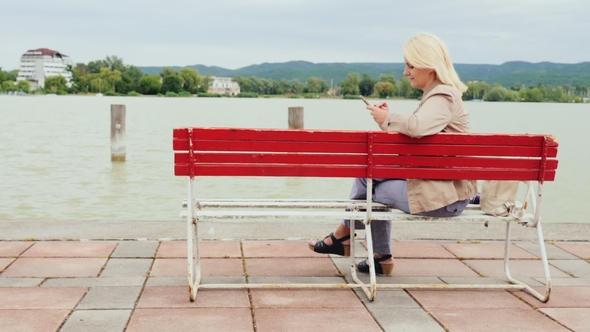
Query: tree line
{"points": [[112, 76]]}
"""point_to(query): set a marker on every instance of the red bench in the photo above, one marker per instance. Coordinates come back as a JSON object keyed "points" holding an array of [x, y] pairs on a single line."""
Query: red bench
{"points": [[357, 154]]}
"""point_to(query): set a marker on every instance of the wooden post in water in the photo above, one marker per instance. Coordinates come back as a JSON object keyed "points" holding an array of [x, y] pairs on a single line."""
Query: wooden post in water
{"points": [[295, 117], [118, 150]]}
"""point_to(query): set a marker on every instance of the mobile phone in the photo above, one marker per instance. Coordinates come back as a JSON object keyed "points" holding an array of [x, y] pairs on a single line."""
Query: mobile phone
{"points": [[363, 99]]}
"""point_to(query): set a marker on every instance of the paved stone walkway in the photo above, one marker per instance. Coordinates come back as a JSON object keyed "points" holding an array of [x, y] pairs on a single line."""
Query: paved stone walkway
{"points": [[142, 286]]}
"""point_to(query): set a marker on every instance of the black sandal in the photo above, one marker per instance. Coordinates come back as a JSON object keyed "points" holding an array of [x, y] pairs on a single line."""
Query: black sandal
{"points": [[336, 248], [385, 269]]}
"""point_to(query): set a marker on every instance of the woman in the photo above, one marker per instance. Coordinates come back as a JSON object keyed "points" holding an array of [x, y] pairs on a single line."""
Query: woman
{"points": [[429, 68]]}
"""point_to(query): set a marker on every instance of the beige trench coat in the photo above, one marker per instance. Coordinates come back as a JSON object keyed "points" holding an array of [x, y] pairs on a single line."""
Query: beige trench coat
{"points": [[441, 110]]}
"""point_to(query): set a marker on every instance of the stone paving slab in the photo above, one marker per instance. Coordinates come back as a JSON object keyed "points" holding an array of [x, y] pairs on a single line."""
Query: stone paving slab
{"points": [[32, 320], [561, 297], [407, 320], [486, 251], [70, 249], [191, 319], [208, 249], [576, 319], [497, 319], [314, 319], [94, 282], [4, 262], [291, 267], [135, 249], [55, 267], [521, 268], [581, 249], [125, 267], [177, 297], [97, 321], [553, 251], [13, 248], [177, 267], [110, 297], [41, 298], [20, 282], [575, 268]]}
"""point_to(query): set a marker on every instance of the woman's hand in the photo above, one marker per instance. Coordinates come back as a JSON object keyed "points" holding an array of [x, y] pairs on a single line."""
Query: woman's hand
{"points": [[379, 112]]}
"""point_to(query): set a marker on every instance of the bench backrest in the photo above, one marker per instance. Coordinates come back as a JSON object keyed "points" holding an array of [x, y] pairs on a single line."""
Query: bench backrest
{"points": [[362, 154]]}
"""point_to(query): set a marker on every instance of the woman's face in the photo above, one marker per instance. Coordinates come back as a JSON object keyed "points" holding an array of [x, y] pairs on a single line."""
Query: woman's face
{"points": [[420, 78]]}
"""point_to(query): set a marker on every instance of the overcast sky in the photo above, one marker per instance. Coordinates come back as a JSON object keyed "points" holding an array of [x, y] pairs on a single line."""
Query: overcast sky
{"points": [[238, 33]]}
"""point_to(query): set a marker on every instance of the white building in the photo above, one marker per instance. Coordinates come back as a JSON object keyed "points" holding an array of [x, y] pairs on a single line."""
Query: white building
{"points": [[224, 85], [36, 65]]}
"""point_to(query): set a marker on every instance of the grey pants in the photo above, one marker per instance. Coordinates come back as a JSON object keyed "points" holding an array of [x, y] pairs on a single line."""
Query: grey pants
{"points": [[394, 193]]}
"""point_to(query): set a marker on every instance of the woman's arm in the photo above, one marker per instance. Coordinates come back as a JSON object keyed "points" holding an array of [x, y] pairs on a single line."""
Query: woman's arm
{"points": [[430, 118]]}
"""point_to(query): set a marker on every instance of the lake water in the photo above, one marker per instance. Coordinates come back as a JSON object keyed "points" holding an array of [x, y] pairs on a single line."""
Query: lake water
{"points": [[55, 152]]}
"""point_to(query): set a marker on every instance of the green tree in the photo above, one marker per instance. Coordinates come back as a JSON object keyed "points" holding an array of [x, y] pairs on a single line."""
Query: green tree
{"points": [[191, 80], [167, 71], [245, 84], [497, 93], [404, 87], [473, 92], [116, 63], [129, 80], [94, 67], [149, 84], [350, 85], [206, 83], [290, 86], [384, 89], [172, 83], [12, 75], [24, 86], [366, 85], [483, 89], [316, 85], [387, 78], [8, 86], [2, 75], [54, 84], [531, 95]]}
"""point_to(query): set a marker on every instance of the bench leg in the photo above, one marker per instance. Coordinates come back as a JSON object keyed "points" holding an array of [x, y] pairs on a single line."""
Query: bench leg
{"points": [[193, 255], [371, 290], [529, 289]]}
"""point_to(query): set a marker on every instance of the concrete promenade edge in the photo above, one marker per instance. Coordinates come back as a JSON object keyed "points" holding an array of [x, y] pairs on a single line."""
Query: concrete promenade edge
{"points": [[265, 230]]}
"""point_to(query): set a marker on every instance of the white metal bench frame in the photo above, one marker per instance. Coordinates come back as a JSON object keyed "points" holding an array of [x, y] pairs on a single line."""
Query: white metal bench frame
{"points": [[197, 211]]}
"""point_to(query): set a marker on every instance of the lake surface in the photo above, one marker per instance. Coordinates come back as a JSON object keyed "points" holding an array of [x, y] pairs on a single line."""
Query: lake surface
{"points": [[55, 152]]}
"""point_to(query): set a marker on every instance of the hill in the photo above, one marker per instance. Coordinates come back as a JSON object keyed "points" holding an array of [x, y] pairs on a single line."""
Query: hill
{"points": [[506, 74]]}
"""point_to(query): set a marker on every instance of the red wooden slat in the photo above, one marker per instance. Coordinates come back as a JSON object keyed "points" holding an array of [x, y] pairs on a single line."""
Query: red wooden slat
{"points": [[465, 139], [277, 170], [462, 162], [247, 134], [272, 158], [465, 174], [358, 136], [462, 150], [408, 161], [180, 144], [273, 146]]}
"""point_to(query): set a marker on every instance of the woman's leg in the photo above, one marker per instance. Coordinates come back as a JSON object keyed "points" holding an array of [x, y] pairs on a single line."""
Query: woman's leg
{"points": [[451, 210], [386, 191]]}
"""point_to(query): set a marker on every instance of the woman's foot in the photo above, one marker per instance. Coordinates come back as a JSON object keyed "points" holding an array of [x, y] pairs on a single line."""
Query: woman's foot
{"points": [[383, 265], [332, 245]]}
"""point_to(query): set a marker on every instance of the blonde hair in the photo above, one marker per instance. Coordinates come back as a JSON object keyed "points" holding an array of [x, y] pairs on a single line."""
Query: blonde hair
{"points": [[427, 51]]}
